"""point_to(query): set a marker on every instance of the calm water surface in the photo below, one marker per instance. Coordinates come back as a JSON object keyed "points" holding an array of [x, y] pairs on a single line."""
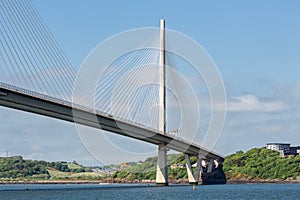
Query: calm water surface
{"points": [[93, 191]]}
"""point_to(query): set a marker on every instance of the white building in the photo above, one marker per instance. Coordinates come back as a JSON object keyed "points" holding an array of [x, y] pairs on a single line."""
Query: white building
{"points": [[279, 146], [284, 149]]}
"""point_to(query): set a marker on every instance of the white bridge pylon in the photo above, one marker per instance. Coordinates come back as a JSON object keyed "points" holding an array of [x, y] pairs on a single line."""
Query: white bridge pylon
{"points": [[162, 166]]}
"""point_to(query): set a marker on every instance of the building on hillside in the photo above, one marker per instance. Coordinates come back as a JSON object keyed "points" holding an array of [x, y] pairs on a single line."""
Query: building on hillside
{"points": [[278, 146], [284, 149]]}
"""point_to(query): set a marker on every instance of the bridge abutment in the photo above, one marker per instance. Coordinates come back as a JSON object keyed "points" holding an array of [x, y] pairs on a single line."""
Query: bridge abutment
{"points": [[213, 172]]}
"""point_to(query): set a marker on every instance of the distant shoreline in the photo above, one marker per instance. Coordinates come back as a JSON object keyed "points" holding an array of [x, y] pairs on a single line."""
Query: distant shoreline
{"points": [[54, 182], [51, 182], [79, 182]]}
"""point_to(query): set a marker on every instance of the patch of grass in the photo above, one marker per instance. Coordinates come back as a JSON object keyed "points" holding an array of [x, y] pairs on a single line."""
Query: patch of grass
{"points": [[74, 166], [58, 174], [86, 174]]}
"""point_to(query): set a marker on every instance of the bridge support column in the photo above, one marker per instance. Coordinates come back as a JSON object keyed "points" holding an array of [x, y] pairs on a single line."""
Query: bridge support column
{"points": [[198, 169], [210, 165], [189, 170], [162, 167], [193, 177]]}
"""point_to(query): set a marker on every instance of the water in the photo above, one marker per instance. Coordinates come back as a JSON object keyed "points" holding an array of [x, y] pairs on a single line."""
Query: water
{"points": [[123, 191]]}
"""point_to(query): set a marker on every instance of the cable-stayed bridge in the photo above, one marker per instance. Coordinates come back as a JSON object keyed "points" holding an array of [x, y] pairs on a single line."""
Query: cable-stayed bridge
{"points": [[37, 77]]}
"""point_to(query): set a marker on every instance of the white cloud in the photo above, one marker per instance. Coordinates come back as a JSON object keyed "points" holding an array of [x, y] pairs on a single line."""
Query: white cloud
{"points": [[250, 103]]}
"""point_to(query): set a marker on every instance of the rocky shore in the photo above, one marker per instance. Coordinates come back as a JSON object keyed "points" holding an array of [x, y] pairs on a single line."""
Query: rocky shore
{"points": [[261, 181]]}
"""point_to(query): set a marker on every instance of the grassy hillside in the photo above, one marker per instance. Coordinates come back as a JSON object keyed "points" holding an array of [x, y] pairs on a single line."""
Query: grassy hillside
{"points": [[255, 164], [261, 163], [16, 168]]}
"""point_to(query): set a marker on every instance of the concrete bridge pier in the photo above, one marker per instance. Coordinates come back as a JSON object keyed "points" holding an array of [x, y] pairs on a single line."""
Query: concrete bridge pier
{"points": [[193, 177], [162, 167], [199, 170], [210, 165]]}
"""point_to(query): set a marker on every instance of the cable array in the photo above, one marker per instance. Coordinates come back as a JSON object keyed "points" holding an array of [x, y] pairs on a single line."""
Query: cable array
{"points": [[30, 57], [129, 88]]}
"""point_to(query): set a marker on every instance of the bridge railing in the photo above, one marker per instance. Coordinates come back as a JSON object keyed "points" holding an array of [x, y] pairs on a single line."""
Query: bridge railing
{"points": [[33, 94], [47, 97]]}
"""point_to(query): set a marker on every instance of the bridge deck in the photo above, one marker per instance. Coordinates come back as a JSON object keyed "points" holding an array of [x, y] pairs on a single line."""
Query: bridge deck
{"points": [[17, 98]]}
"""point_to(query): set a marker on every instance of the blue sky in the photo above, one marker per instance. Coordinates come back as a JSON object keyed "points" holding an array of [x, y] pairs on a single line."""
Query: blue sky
{"points": [[255, 44]]}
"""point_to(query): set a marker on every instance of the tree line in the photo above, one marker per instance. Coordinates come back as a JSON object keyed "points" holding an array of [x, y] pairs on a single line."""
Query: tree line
{"points": [[16, 167]]}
